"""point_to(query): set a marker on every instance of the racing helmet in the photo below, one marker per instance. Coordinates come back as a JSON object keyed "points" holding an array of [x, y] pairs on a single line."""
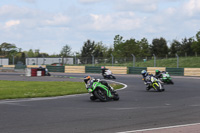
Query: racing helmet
{"points": [[143, 72], [102, 67], [86, 79]]}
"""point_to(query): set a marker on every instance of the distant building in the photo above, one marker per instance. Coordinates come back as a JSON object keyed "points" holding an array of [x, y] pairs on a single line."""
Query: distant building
{"points": [[48, 61], [4, 61]]}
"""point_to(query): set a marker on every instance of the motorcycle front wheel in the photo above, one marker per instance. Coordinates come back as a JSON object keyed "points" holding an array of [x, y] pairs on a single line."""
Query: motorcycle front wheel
{"points": [[171, 82], [113, 77], [157, 87], [101, 94], [115, 96]]}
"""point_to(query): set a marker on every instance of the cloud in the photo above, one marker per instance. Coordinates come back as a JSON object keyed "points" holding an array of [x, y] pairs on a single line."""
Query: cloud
{"points": [[31, 18], [29, 1], [192, 7], [58, 19], [137, 5], [39, 26], [16, 12], [114, 22], [12, 23], [89, 1]]}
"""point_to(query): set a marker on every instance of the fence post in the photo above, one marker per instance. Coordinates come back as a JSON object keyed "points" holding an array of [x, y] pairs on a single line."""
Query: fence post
{"points": [[177, 60], [75, 60], [112, 59], [27, 59], [154, 60], [133, 60], [13, 60], [92, 59], [44, 61]]}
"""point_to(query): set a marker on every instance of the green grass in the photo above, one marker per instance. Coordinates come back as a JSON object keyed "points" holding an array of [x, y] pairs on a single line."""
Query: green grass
{"points": [[31, 89], [190, 62]]}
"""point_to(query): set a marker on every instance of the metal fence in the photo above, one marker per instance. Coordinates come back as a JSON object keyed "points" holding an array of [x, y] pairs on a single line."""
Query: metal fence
{"points": [[173, 62], [131, 61]]}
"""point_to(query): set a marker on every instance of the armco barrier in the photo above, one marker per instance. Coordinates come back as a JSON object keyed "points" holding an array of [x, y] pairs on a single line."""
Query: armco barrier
{"points": [[117, 70], [56, 68], [74, 69], [153, 69], [92, 69], [191, 71], [136, 70], [8, 68], [114, 69], [35, 66], [175, 71], [20, 66]]}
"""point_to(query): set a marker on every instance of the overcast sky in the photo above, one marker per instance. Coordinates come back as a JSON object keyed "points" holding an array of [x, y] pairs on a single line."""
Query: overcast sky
{"points": [[49, 25]]}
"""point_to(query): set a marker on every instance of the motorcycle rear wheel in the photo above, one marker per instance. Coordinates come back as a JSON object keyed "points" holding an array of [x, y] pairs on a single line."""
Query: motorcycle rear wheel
{"points": [[116, 96], [113, 77]]}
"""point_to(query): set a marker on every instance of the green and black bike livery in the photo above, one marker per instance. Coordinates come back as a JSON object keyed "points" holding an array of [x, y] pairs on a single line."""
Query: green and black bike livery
{"points": [[101, 91], [165, 78]]}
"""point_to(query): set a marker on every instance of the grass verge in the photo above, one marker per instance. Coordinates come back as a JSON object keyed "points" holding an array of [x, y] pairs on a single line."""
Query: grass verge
{"points": [[32, 89]]}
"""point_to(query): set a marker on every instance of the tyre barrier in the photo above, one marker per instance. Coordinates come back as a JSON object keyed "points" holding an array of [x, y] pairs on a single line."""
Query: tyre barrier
{"points": [[33, 72]]}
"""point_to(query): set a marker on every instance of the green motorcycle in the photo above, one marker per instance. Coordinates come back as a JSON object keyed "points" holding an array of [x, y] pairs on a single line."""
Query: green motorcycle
{"points": [[165, 78], [101, 91]]}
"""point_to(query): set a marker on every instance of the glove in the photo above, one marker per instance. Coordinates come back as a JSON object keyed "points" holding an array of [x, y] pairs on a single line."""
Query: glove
{"points": [[89, 90]]}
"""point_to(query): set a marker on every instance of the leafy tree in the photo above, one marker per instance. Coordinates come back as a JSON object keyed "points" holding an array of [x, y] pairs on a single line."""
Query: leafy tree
{"points": [[117, 40], [108, 52], [130, 47], [30, 53], [175, 48], [186, 47], [99, 50], [87, 52], [8, 49], [20, 57], [66, 51], [37, 53], [159, 47], [144, 47], [196, 43]]}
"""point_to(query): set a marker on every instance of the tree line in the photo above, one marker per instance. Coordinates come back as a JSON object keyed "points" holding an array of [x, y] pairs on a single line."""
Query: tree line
{"points": [[142, 48], [121, 49]]}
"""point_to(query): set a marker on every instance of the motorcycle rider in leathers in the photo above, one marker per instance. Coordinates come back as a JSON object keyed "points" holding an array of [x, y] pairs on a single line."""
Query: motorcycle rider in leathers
{"points": [[147, 79], [89, 82]]}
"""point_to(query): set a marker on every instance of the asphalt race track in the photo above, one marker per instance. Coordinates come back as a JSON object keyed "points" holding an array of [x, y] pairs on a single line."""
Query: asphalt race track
{"points": [[137, 109]]}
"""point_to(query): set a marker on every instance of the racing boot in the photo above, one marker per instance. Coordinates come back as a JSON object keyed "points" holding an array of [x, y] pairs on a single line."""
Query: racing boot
{"points": [[148, 87], [92, 97]]}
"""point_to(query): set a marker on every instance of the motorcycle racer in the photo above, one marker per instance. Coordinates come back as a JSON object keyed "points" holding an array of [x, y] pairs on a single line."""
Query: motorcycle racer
{"points": [[106, 73], [146, 79], [89, 82], [158, 74], [103, 70]]}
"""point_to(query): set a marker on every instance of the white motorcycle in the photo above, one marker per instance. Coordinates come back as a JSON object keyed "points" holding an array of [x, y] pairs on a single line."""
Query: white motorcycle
{"points": [[108, 75]]}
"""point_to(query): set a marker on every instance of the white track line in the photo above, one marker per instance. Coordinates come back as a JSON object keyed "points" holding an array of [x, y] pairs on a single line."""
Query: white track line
{"points": [[125, 86], [151, 129]]}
